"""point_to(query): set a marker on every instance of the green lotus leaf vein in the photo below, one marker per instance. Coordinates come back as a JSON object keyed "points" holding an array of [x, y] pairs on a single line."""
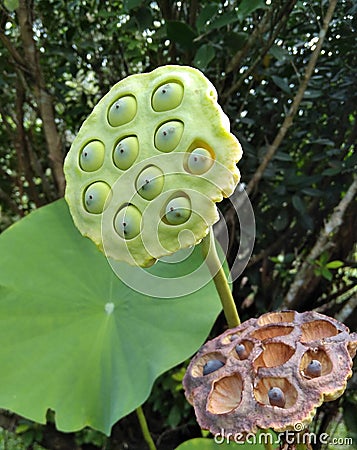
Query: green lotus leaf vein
{"points": [[150, 162]]}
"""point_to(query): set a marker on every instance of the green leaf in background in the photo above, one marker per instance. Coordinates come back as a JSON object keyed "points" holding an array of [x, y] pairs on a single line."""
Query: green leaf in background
{"points": [[131, 4], [74, 338], [282, 83], [249, 6], [206, 14], [204, 56], [11, 5], [180, 33]]}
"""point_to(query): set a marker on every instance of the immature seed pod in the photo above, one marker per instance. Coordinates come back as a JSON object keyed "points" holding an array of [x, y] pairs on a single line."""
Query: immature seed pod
{"points": [[167, 96], [199, 161], [168, 136], [126, 152], [313, 369], [92, 156], [127, 222], [178, 210], [122, 111], [212, 365], [241, 351], [95, 197], [276, 397], [150, 182]]}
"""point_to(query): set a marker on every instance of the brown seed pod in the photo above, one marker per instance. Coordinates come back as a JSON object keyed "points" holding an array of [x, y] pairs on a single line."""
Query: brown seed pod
{"points": [[277, 370]]}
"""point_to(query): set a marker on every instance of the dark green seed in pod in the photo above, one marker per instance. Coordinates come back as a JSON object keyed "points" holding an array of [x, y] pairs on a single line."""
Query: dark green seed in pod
{"points": [[313, 369], [95, 197], [127, 222], [167, 96], [241, 351], [92, 156], [168, 136], [150, 182], [276, 397], [126, 152], [199, 161], [178, 210], [212, 365], [122, 111]]}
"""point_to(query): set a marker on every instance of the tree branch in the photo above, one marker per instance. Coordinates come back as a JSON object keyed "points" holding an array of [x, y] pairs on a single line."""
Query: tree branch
{"points": [[43, 98], [303, 279], [253, 183]]}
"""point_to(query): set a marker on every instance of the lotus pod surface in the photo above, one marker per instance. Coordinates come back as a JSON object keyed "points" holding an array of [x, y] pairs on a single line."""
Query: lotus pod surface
{"points": [[274, 372], [149, 163]]}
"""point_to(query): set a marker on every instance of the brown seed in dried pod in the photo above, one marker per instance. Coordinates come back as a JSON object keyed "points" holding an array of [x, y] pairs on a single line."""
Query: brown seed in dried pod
{"points": [[276, 397]]}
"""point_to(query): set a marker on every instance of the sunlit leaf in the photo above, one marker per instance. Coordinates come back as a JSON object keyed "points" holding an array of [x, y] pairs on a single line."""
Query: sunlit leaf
{"points": [[74, 338]]}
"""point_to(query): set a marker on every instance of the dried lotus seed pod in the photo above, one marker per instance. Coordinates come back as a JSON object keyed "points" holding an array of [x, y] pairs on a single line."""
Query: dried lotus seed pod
{"points": [[161, 133], [295, 362]]}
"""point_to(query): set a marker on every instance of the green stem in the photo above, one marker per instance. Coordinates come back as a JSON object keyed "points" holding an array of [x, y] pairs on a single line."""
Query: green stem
{"points": [[220, 280], [144, 428]]}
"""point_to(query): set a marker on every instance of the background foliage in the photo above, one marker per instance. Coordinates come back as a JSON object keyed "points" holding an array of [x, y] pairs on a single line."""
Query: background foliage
{"points": [[298, 133]]}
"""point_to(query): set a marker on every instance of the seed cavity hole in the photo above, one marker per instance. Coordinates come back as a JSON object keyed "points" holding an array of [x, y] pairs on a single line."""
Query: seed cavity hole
{"points": [[122, 111], [177, 210], [168, 136], [150, 182], [276, 392], [95, 197], [127, 222], [167, 96], [125, 152], [91, 157], [226, 394]]}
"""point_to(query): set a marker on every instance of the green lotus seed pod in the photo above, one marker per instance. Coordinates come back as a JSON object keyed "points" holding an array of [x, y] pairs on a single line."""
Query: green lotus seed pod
{"points": [[126, 152], [167, 96], [150, 182], [199, 161], [178, 210], [164, 119], [122, 111], [95, 197], [168, 136], [127, 222], [92, 156]]}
